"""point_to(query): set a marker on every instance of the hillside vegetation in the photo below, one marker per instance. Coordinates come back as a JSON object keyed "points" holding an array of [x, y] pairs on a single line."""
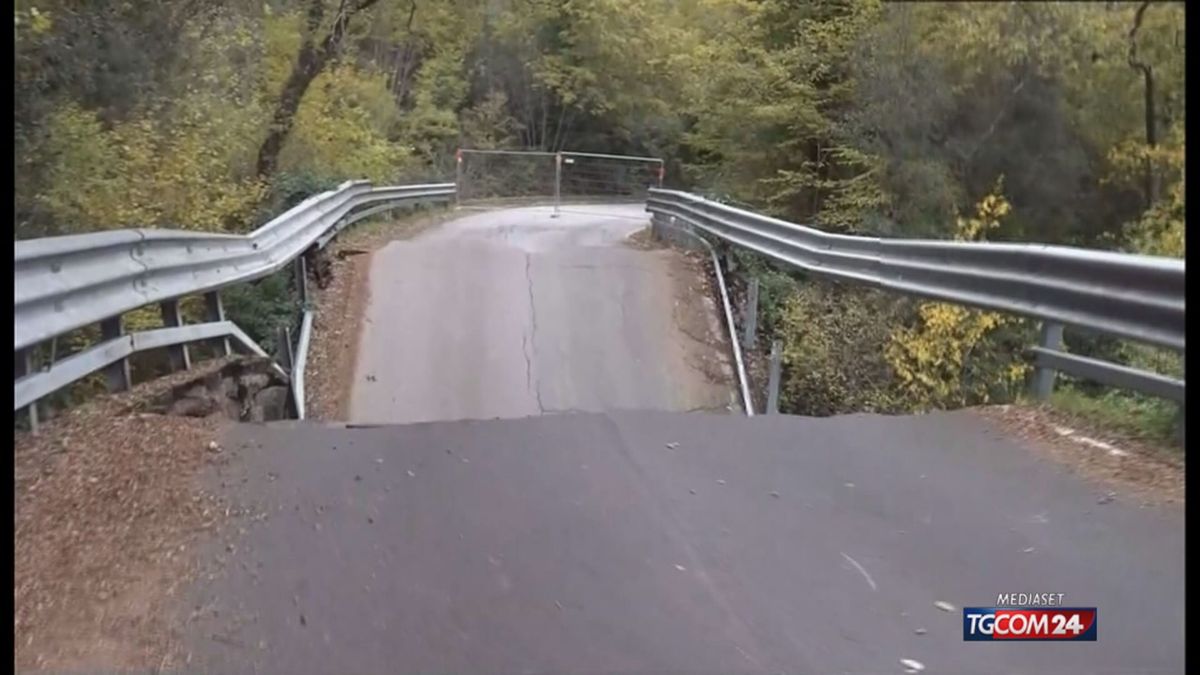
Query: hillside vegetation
{"points": [[1044, 122]]}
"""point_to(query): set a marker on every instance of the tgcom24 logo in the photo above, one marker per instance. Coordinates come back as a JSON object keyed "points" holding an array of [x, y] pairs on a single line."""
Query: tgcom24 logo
{"points": [[1022, 617]]}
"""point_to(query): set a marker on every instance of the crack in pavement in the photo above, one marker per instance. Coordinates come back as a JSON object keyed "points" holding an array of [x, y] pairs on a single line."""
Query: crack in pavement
{"points": [[530, 382]]}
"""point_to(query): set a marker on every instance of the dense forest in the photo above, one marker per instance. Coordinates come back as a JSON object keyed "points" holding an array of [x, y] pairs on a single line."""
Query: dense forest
{"points": [[1045, 122]]}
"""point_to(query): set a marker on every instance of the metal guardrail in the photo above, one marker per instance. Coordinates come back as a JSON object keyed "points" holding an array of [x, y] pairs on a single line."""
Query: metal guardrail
{"points": [[1130, 296], [29, 389], [65, 283]]}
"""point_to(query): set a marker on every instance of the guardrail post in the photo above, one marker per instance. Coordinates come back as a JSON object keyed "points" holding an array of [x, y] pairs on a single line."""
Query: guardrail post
{"points": [[1043, 377], [773, 377], [116, 375], [179, 356], [283, 348], [750, 314], [300, 268], [22, 366], [215, 311], [1181, 419]]}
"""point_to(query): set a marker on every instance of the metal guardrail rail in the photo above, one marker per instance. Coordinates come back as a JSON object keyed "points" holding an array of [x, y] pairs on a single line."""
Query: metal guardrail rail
{"points": [[1132, 296], [65, 283], [1129, 296]]}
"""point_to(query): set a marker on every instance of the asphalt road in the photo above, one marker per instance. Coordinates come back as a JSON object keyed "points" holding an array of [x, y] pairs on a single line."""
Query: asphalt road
{"points": [[591, 543], [514, 313]]}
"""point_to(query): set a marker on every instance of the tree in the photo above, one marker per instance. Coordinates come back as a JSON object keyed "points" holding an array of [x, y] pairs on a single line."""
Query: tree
{"points": [[312, 59]]}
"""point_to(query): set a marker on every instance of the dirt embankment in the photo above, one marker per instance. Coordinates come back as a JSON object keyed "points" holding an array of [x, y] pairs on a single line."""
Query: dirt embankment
{"points": [[107, 510], [1122, 465]]}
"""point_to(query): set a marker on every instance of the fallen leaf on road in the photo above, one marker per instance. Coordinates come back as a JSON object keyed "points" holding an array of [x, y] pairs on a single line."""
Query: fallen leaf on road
{"points": [[912, 666], [944, 606]]}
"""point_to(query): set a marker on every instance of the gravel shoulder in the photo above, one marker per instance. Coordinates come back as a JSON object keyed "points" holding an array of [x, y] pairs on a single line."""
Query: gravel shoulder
{"points": [[700, 318]]}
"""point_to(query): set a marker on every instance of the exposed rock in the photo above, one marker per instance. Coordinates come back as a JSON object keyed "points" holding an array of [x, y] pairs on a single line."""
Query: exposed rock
{"points": [[250, 384], [194, 406], [246, 389], [270, 404]]}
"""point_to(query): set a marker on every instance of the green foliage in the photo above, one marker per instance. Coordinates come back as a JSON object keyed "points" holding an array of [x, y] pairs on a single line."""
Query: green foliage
{"points": [[143, 173], [833, 345], [851, 115], [775, 288], [289, 189], [488, 124], [346, 108], [955, 356], [263, 307], [1130, 413]]}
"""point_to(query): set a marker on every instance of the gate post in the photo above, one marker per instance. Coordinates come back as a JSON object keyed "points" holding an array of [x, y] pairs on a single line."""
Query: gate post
{"points": [[557, 182], [458, 176]]}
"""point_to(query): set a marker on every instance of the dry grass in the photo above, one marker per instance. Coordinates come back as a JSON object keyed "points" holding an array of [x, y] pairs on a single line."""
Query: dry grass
{"points": [[1140, 469]]}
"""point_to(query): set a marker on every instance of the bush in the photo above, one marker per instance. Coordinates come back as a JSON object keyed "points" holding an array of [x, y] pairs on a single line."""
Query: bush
{"points": [[261, 308], [833, 350], [775, 287], [953, 356], [289, 188]]}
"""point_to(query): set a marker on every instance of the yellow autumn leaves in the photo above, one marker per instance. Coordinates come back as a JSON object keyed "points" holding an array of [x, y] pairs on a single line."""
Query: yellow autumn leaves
{"points": [[948, 359]]}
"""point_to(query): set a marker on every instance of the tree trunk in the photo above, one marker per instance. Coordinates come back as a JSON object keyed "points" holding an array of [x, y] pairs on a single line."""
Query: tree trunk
{"points": [[1152, 178], [1147, 71], [311, 60], [308, 65]]}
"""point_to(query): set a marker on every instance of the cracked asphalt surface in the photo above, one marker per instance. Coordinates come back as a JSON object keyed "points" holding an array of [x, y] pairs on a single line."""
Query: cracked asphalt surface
{"points": [[514, 313], [644, 542], [639, 541]]}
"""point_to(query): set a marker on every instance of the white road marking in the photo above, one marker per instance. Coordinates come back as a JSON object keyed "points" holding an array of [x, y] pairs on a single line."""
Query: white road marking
{"points": [[861, 571]]}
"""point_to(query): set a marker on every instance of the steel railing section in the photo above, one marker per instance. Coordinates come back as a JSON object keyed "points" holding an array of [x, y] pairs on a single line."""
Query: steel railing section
{"points": [[64, 283], [1111, 374], [301, 364], [77, 366], [1132, 296]]}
